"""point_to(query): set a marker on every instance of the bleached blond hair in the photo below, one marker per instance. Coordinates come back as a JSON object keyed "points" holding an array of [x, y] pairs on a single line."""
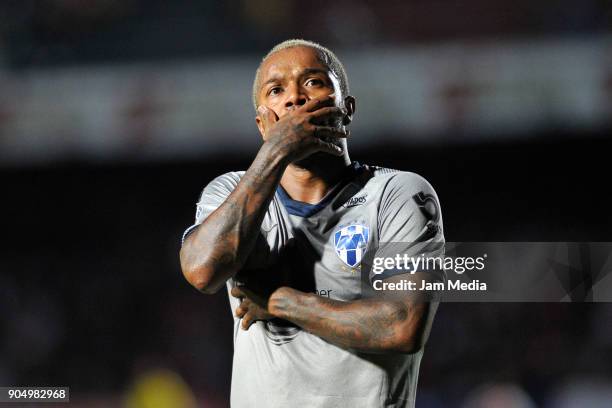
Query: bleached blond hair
{"points": [[329, 58]]}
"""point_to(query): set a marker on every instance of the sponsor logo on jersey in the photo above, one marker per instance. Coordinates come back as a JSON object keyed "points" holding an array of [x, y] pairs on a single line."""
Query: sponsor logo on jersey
{"points": [[355, 201], [350, 243]]}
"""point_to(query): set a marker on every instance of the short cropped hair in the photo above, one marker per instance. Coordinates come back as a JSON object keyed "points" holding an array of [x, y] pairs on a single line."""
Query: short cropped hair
{"points": [[329, 58]]}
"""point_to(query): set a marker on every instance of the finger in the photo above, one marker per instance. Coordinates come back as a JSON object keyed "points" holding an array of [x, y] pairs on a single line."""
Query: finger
{"points": [[318, 103], [271, 116], [332, 111], [237, 293], [247, 321], [329, 147], [331, 131], [346, 120], [250, 294], [240, 312]]}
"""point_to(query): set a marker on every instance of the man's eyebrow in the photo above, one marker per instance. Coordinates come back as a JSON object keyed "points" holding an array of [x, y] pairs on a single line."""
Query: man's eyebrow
{"points": [[314, 71], [275, 78], [306, 71]]}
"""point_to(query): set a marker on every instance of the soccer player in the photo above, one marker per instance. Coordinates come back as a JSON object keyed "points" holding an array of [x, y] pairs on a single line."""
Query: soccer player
{"points": [[287, 237]]}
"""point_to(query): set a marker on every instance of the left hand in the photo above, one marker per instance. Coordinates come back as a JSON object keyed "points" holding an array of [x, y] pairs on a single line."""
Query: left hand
{"points": [[252, 307]]}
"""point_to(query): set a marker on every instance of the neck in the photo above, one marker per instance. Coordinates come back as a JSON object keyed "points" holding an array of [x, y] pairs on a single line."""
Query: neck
{"points": [[310, 179]]}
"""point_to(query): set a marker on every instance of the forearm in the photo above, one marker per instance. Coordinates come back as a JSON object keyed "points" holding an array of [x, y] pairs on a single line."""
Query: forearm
{"points": [[372, 325], [218, 248]]}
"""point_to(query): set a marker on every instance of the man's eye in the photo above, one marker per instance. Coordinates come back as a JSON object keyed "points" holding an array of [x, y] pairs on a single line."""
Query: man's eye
{"points": [[314, 82], [274, 91]]}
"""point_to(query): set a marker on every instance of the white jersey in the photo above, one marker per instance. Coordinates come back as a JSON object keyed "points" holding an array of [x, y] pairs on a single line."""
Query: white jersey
{"points": [[318, 248]]}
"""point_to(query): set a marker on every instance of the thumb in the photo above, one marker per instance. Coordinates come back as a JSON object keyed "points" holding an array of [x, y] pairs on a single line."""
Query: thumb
{"points": [[267, 115], [261, 112]]}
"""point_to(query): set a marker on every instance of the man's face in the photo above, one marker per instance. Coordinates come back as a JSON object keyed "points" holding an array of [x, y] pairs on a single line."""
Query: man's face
{"points": [[291, 77]]}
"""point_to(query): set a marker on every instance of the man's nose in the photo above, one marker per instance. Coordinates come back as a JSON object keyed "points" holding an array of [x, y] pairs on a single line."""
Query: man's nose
{"points": [[295, 97]]}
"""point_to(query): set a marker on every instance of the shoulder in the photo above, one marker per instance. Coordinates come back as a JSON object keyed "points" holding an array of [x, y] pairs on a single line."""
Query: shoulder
{"points": [[229, 178], [408, 199], [405, 192], [223, 184], [392, 181]]}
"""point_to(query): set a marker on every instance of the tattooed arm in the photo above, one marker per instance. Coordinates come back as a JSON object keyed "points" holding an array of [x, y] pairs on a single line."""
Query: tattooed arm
{"points": [[387, 324], [372, 325], [218, 248]]}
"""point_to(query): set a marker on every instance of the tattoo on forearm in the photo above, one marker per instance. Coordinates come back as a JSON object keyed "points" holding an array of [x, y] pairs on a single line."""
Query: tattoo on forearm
{"points": [[366, 324], [226, 237]]}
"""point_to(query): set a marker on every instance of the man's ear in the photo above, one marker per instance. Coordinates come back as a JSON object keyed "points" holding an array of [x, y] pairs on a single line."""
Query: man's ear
{"points": [[349, 105]]}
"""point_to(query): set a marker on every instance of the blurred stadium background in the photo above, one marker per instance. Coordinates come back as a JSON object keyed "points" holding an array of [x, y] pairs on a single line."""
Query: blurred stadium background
{"points": [[115, 113]]}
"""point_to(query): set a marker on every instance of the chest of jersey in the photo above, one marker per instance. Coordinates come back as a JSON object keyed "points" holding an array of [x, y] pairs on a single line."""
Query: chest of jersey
{"points": [[320, 253]]}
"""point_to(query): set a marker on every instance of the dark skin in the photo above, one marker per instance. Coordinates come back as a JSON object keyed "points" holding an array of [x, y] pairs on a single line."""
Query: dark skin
{"points": [[219, 247], [391, 323], [301, 117]]}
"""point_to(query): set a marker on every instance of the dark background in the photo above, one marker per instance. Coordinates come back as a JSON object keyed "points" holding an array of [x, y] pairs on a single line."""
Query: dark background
{"points": [[91, 293]]}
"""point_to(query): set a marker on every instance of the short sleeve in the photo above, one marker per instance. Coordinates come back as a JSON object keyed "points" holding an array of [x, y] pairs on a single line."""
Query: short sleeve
{"points": [[409, 222], [213, 195]]}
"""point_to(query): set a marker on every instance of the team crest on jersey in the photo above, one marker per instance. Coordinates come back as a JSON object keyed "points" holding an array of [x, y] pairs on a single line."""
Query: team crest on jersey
{"points": [[350, 243]]}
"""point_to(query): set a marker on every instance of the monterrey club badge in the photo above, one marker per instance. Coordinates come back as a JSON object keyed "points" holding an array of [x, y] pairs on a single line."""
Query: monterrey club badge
{"points": [[350, 243]]}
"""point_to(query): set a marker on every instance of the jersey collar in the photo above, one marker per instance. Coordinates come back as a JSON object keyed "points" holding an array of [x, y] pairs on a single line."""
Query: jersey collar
{"points": [[306, 210]]}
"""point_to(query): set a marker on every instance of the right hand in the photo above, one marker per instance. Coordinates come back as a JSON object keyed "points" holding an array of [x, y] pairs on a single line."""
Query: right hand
{"points": [[252, 308], [297, 134]]}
